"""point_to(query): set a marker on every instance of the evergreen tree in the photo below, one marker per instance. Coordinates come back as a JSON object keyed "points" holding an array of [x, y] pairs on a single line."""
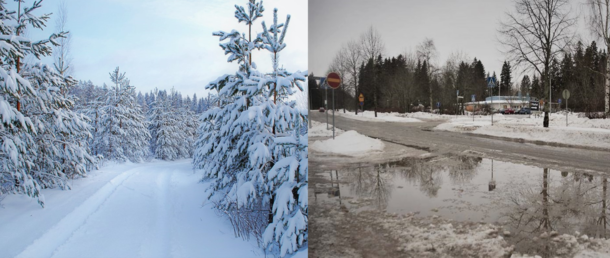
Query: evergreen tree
{"points": [[506, 77], [166, 129], [122, 133], [250, 145], [33, 109], [526, 85]]}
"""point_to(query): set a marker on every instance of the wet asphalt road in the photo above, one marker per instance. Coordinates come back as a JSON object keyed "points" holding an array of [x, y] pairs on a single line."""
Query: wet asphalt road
{"points": [[421, 135]]}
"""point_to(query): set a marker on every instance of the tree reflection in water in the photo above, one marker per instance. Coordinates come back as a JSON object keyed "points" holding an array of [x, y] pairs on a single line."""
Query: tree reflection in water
{"points": [[372, 182], [428, 174], [536, 211]]}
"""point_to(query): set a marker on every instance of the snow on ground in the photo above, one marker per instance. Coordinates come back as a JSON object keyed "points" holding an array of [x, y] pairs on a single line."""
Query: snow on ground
{"points": [[349, 143], [426, 115], [319, 130], [382, 234], [580, 131], [154, 209], [370, 116]]}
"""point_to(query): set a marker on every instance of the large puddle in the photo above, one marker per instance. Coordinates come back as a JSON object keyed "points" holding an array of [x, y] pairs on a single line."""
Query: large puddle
{"points": [[526, 200]]}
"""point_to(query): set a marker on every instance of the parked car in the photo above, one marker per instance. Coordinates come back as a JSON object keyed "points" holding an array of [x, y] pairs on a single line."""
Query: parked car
{"points": [[525, 111], [508, 111], [322, 109]]}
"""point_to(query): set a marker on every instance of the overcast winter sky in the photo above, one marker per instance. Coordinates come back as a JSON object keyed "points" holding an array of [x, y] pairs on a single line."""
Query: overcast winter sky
{"points": [[160, 43], [469, 26]]}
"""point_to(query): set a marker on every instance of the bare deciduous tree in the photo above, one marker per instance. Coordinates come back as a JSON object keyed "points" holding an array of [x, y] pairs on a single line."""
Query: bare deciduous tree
{"points": [[372, 46], [427, 51], [61, 53], [537, 33], [599, 20]]}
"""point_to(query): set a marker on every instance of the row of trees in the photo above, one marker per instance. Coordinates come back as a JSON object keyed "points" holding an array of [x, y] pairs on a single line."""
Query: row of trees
{"points": [[252, 147], [410, 81], [535, 37], [126, 126]]}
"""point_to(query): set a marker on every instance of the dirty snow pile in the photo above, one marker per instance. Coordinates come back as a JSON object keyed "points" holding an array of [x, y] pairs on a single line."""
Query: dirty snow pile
{"points": [[566, 245], [319, 130], [435, 237], [369, 116], [349, 143], [580, 130]]}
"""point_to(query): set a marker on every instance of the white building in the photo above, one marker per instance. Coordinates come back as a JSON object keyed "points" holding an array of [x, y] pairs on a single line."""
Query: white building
{"points": [[502, 102]]}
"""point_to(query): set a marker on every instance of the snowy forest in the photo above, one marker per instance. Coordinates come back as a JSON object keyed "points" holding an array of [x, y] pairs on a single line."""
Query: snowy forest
{"points": [[247, 136], [417, 81], [55, 128]]}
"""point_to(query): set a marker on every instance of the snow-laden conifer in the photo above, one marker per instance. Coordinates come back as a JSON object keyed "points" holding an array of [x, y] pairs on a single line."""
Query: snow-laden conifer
{"points": [[122, 133], [250, 145], [25, 110]]}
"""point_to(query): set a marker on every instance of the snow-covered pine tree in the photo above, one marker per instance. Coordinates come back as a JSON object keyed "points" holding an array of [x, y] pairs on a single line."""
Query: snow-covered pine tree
{"points": [[190, 123], [251, 148], [122, 130], [167, 130], [29, 104], [287, 179], [227, 132], [62, 133]]}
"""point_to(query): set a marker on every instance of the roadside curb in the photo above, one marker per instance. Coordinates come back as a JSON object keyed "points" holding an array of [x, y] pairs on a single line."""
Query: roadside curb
{"points": [[554, 144]]}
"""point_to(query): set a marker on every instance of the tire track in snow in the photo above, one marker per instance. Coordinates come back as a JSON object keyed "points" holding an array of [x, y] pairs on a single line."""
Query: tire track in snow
{"points": [[158, 244], [61, 232]]}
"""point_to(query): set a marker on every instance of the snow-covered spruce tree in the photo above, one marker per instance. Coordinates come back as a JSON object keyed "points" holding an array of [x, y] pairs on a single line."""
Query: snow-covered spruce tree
{"points": [[287, 179], [122, 130], [28, 106], [254, 154], [61, 139], [189, 124], [167, 129], [229, 129]]}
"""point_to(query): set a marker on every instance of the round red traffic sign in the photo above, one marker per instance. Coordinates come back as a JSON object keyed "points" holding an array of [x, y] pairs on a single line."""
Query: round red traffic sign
{"points": [[333, 80]]}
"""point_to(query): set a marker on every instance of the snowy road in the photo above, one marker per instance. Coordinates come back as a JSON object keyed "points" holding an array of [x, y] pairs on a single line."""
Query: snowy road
{"points": [[420, 135], [129, 210]]}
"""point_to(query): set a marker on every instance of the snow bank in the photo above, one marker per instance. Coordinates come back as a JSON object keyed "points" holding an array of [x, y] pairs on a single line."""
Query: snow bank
{"points": [[349, 143], [319, 129], [384, 117], [580, 130]]}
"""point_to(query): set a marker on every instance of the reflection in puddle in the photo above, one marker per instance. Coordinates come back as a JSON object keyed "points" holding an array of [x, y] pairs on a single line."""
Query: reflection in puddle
{"points": [[533, 203]]}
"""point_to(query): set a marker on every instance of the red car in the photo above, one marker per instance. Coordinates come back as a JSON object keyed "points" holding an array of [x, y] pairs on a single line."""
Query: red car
{"points": [[509, 111], [322, 109]]}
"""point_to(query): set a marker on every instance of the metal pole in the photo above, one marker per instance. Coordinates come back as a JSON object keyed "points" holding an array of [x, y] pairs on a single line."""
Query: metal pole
{"points": [[326, 106], [566, 112], [333, 114]]}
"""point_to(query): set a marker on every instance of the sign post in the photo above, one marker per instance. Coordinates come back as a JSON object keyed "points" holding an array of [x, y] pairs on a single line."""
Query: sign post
{"points": [[491, 82], [566, 95], [334, 81], [361, 99], [473, 109]]}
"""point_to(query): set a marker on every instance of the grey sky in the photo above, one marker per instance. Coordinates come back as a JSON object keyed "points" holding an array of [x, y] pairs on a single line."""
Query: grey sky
{"points": [[467, 26], [163, 44]]}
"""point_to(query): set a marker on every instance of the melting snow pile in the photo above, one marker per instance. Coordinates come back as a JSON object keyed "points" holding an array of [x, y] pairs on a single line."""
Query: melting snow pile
{"points": [[349, 143], [319, 129]]}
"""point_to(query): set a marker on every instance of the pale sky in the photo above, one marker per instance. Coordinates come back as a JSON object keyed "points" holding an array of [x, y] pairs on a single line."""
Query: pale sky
{"points": [[160, 43], [467, 26]]}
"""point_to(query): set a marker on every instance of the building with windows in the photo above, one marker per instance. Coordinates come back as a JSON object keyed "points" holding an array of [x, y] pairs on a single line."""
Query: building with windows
{"points": [[502, 102]]}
